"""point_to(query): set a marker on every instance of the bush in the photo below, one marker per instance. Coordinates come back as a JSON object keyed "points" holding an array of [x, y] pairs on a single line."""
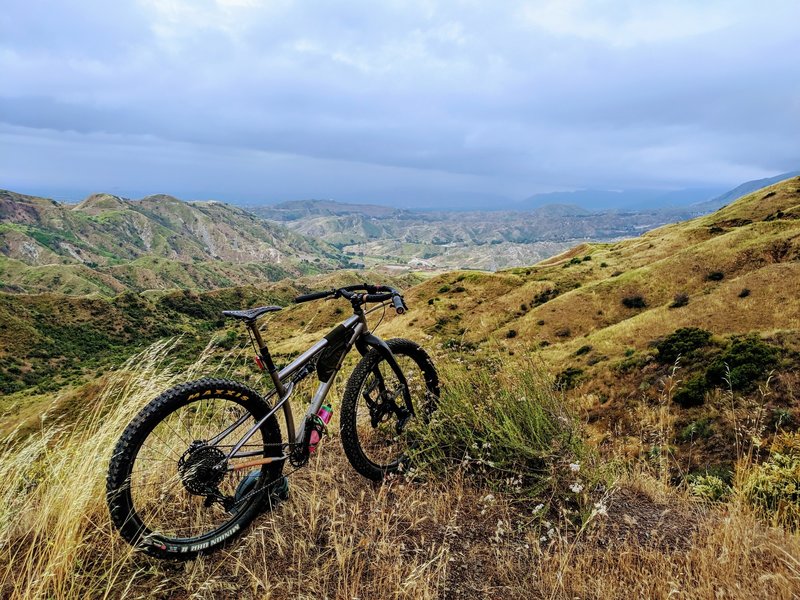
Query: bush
{"points": [[681, 342], [545, 296], [518, 431], [444, 289], [563, 332], [744, 293], [696, 430], [744, 362], [772, 489], [635, 301], [680, 299], [692, 392], [782, 418], [583, 350], [715, 276], [511, 333], [568, 378], [709, 487]]}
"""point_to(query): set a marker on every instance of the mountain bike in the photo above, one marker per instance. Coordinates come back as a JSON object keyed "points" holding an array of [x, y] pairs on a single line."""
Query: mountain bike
{"points": [[203, 459]]}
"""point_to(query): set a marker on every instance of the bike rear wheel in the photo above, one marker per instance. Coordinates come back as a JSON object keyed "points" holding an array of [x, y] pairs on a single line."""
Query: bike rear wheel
{"points": [[172, 493], [376, 426]]}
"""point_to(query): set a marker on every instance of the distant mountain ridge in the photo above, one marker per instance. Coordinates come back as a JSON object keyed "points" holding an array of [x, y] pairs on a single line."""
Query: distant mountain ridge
{"points": [[743, 190], [108, 244]]}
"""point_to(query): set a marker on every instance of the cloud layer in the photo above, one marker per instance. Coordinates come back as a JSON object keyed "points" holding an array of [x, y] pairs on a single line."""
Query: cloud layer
{"points": [[249, 100]]}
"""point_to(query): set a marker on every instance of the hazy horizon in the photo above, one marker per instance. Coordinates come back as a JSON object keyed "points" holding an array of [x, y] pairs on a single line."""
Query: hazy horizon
{"points": [[433, 103]]}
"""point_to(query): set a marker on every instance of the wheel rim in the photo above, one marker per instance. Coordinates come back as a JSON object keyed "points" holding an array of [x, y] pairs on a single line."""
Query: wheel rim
{"points": [[174, 490], [381, 406]]}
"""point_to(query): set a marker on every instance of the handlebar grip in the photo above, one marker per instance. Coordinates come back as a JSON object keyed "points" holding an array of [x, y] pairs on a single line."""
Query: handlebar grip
{"points": [[313, 296], [399, 305]]}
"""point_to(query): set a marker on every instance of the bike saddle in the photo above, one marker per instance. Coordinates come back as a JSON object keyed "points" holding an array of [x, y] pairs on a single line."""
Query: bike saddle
{"points": [[250, 315]]}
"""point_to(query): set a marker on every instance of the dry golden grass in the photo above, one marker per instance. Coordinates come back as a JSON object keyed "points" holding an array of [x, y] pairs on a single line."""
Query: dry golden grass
{"points": [[447, 536], [340, 536]]}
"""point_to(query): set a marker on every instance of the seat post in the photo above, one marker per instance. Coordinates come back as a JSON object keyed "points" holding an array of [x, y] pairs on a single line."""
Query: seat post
{"points": [[266, 358]]}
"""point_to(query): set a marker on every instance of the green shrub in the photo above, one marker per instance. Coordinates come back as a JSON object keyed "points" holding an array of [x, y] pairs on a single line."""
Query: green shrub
{"points": [[583, 350], [568, 378], [744, 293], [634, 301], [773, 489], [782, 418], [692, 392], [699, 429], [444, 289], [545, 296], [715, 276], [681, 342], [511, 333], [709, 487], [746, 360]]}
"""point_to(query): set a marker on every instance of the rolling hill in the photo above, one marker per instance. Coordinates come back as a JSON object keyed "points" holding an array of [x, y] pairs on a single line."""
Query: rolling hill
{"points": [[442, 240], [107, 244], [597, 315], [677, 351]]}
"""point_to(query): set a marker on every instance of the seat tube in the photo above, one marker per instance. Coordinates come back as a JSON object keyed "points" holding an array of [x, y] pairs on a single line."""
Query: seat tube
{"points": [[265, 356]]}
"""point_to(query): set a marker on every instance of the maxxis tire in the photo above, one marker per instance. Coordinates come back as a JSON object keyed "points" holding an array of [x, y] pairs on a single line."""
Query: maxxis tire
{"points": [[118, 496], [348, 430]]}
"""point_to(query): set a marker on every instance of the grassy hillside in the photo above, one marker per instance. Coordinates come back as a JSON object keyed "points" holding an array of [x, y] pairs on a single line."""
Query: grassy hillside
{"points": [[108, 244], [617, 421], [595, 315]]}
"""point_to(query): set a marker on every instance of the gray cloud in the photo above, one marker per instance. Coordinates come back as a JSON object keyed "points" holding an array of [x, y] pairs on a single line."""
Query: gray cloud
{"points": [[257, 100]]}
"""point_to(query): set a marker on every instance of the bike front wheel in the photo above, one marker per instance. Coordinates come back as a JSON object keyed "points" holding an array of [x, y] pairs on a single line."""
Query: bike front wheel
{"points": [[171, 489], [377, 422]]}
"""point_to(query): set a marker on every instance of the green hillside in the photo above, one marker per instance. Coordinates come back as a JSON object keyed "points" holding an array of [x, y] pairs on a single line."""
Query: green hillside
{"points": [[617, 421], [108, 244]]}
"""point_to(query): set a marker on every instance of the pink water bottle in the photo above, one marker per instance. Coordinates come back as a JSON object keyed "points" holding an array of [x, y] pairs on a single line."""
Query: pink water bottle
{"points": [[323, 416]]}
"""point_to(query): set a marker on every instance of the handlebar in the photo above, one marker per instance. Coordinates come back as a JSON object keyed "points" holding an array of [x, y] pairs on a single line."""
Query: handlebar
{"points": [[313, 296], [374, 293]]}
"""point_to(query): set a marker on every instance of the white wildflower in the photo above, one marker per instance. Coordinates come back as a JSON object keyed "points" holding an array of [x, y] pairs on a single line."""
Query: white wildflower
{"points": [[575, 467], [576, 487]]}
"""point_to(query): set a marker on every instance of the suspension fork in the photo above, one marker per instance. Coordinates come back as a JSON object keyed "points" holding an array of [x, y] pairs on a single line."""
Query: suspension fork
{"points": [[370, 340]]}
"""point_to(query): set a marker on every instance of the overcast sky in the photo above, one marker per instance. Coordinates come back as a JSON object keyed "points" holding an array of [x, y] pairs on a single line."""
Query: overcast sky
{"points": [[250, 100]]}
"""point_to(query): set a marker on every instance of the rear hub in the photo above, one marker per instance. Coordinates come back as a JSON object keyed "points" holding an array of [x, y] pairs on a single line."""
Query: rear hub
{"points": [[202, 469]]}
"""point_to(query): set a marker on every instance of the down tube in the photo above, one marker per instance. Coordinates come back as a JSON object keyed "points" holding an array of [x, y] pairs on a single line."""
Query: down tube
{"points": [[325, 386]]}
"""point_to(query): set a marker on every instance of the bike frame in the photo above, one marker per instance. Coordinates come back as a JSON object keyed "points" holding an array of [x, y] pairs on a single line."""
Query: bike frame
{"points": [[358, 335]]}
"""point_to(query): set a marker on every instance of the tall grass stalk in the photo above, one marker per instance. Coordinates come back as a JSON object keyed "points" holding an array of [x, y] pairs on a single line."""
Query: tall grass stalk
{"points": [[53, 526]]}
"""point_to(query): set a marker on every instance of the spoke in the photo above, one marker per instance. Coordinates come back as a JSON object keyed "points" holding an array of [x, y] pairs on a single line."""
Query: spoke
{"points": [[163, 501]]}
